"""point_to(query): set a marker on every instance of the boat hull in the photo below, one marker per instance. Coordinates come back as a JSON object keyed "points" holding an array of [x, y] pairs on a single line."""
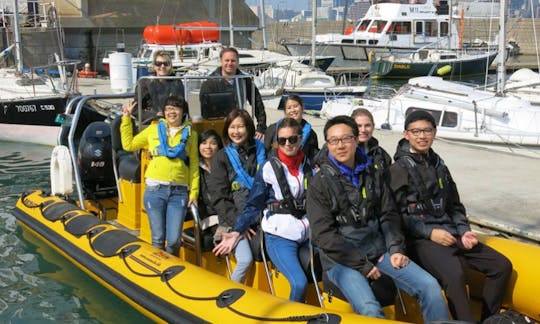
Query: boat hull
{"points": [[385, 68], [31, 120]]}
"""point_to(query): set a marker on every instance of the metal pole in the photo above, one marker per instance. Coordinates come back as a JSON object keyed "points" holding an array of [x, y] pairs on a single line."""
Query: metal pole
{"points": [[231, 28], [262, 19], [18, 42], [501, 68], [313, 30]]}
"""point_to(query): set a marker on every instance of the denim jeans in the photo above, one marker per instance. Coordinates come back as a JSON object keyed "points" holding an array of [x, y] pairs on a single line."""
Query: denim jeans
{"points": [[244, 259], [284, 255], [166, 207], [412, 279]]}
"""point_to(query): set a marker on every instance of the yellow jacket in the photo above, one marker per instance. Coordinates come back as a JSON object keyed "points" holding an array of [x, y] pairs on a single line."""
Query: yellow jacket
{"points": [[162, 168]]}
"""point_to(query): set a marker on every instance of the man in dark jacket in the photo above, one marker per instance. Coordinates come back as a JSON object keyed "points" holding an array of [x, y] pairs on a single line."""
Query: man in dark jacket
{"points": [[355, 225], [435, 222], [229, 67]]}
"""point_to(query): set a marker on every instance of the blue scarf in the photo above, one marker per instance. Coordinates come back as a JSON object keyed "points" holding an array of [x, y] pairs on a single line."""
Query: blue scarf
{"points": [[362, 162], [178, 151], [243, 179], [306, 130]]}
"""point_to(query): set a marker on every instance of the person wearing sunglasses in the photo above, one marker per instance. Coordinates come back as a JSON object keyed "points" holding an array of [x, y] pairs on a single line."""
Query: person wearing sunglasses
{"points": [[279, 192], [294, 108], [231, 180], [435, 221], [154, 92], [241, 88], [356, 227]]}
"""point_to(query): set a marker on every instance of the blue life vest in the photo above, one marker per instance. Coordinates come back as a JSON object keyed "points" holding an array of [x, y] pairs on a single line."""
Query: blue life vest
{"points": [[243, 179], [178, 151]]}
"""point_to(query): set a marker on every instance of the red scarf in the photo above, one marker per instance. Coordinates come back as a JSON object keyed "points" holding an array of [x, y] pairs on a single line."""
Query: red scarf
{"points": [[292, 162]]}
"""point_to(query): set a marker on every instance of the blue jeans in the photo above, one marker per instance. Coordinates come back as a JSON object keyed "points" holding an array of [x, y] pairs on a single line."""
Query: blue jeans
{"points": [[166, 208], [244, 259], [284, 255], [412, 279]]}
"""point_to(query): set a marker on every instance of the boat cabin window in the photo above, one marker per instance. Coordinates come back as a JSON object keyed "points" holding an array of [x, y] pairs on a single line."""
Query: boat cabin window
{"points": [[244, 56], [187, 53], [426, 28], [399, 28], [443, 28], [449, 119], [363, 25], [377, 26]]}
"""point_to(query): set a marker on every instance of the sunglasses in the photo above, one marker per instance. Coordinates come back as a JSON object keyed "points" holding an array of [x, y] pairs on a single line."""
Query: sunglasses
{"points": [[292, 140], [159, 63]]}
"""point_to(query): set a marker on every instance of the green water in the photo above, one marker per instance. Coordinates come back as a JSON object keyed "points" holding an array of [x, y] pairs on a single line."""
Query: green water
{"points": [[37, 285]]}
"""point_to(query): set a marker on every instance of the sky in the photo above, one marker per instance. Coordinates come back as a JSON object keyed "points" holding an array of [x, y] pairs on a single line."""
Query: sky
{"points": [[288, 4]]}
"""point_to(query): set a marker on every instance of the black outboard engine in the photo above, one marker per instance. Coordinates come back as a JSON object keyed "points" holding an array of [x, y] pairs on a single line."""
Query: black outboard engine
{"points": [[95, 161]]}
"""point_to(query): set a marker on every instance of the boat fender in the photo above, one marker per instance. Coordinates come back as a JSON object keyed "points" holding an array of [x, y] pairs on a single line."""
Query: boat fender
{"points": [[444, 70], [61, 171], [370, 56]]}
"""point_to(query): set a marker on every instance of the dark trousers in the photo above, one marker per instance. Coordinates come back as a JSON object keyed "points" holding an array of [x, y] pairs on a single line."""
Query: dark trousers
{"points": [[445, 264]]}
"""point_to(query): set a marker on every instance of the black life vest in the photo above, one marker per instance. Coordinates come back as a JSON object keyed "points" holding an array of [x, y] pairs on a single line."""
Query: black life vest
{"points": [[348, 208], [431, 202], [290, 204]]}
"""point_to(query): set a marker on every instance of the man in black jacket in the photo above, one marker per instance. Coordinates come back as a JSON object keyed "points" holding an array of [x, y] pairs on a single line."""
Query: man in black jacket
{"points": [[438, 232], [229, 67], [355, 225]]}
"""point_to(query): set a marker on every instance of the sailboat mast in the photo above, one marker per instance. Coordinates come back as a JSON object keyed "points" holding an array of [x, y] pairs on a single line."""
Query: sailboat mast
{"points": [[501, 68], [231, 28], [313, 29], [17, 32], [263, 24]]}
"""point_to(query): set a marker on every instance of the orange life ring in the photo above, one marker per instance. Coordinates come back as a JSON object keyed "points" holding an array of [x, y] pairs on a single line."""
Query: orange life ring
{"points": [[86, 72]]}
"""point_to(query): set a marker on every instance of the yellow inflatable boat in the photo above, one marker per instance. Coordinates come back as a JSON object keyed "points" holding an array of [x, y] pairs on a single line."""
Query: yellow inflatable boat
{"points": [[103, 229]]}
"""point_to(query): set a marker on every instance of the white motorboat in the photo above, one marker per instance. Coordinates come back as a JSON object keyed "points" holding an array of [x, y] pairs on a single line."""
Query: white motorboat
{"points": [[31, 103], [387, 25]]}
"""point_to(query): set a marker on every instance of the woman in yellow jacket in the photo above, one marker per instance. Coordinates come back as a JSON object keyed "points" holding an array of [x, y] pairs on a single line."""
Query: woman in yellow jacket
{"points": [[172, 173]]}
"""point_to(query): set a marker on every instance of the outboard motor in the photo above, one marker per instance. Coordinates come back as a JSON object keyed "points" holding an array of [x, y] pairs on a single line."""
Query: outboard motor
{"points": [[95, 160]]}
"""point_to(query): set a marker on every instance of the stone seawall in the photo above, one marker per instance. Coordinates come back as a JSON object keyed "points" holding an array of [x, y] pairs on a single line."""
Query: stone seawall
{"points": [[520, 30]]}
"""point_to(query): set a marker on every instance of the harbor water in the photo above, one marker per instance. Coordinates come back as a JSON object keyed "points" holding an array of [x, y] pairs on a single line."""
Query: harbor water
{"points": [[37, 284]]}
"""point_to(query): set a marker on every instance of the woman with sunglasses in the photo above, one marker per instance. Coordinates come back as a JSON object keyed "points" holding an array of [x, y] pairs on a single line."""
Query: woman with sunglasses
{"points": [[172, 176], [154, 92], [294, 108], [279, 192], [231, 180]]}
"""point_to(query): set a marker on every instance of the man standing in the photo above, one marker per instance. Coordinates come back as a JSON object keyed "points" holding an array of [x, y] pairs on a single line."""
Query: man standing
{"points": [[356, 227], [244, 89], [438, 232]]}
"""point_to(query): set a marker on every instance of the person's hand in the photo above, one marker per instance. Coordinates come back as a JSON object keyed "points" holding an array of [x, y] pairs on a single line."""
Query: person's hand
{"points": [[442, 237], [127, 109], [193, 202], [399, 260], [227, 244], [469, 240], [259, 136], [374, 274], [249, 234]]}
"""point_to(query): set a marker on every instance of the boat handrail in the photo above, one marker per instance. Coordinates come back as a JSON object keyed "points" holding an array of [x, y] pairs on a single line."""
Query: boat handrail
{"points": [[80, 101]]}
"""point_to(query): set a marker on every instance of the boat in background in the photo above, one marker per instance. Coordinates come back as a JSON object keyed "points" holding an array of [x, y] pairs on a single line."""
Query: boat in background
{"points": [[524, 83], [387, 26], [453, 64], [313, 85], [31, 102]]}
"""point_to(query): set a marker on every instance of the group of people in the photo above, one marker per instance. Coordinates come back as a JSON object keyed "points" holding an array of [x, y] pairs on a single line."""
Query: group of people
{"points": [[365, 215]]}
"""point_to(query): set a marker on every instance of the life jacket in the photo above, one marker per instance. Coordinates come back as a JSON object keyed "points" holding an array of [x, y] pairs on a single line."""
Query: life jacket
{"points": [[243, 180], [428, 202], [178, 151], [348, 210], [290, 204]]}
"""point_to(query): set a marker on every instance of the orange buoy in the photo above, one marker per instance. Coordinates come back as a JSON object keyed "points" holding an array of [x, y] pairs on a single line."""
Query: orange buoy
{"points": [[86, 72]]}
